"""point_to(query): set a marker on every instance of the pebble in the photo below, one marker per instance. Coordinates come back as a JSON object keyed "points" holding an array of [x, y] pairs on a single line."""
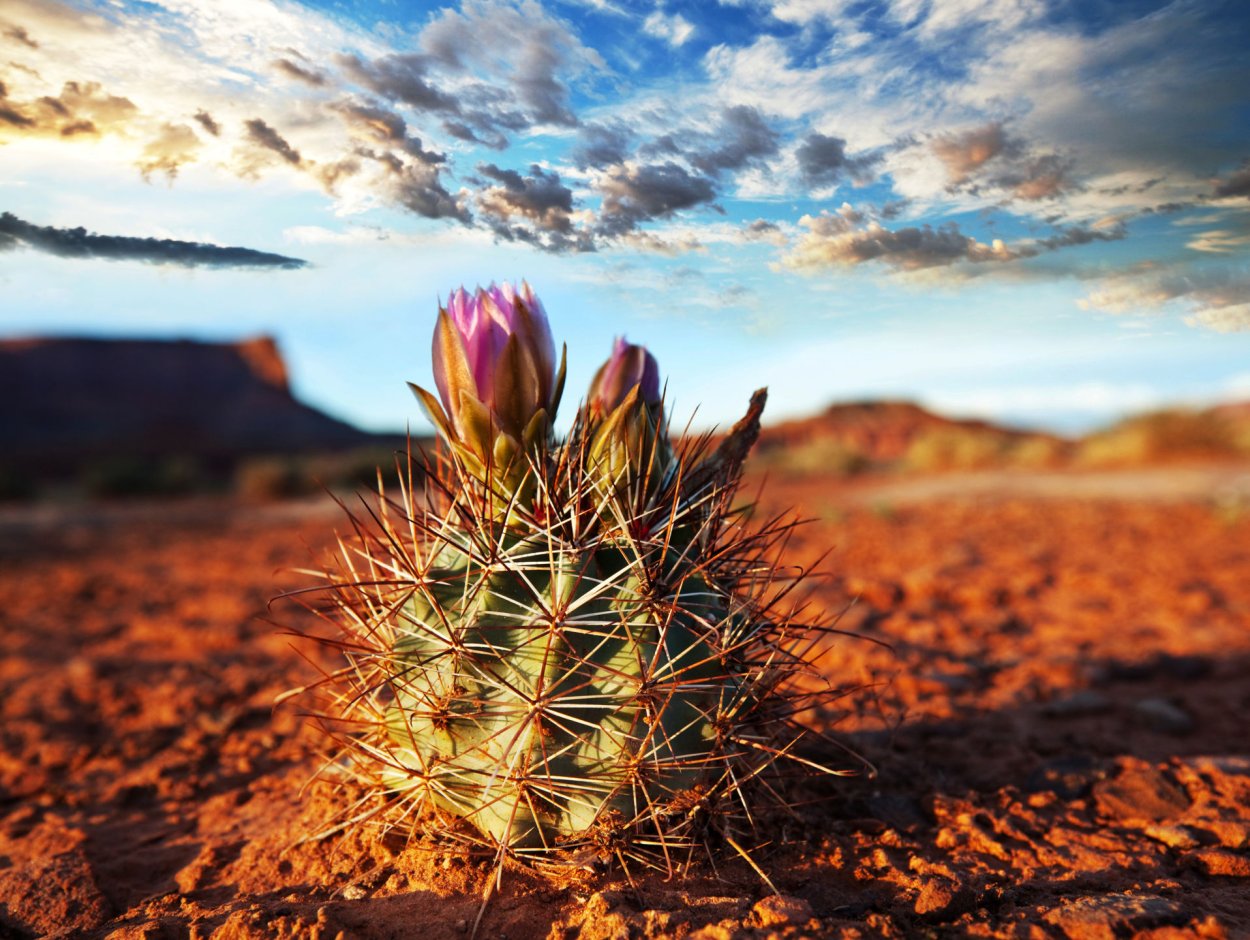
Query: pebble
{"points": [[942, 899], [1140, 793], [353, 892], [1174, 837], [1111, 915], [1158, 714], [779, 909]]}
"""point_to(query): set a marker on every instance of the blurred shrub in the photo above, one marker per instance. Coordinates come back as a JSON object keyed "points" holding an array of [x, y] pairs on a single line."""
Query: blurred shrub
{"points": [[1036, 453], [819, 457], [955, 448], [290, 476], [264, 479], [1163, 435], [117, 477]]}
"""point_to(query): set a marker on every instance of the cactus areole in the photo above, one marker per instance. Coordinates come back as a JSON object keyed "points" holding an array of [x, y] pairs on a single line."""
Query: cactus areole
{"points": [[566, 649]]}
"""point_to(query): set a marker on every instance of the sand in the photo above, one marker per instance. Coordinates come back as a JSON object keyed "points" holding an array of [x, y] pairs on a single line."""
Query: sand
{"points": [[1059, 730]]}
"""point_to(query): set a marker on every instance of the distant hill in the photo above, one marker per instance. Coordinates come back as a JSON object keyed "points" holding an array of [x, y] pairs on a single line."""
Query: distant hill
{"points": [[66, 402], [859, 436]]}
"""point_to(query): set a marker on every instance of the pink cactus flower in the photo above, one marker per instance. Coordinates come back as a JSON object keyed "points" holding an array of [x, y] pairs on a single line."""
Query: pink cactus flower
{"points": [[495, 347]]}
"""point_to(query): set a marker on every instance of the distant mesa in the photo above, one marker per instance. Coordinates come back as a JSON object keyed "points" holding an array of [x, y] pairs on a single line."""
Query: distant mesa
{"points": [[67, 401]]}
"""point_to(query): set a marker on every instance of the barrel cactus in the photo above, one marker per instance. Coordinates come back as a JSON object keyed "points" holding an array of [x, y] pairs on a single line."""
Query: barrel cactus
{"points": [[567, 650]]}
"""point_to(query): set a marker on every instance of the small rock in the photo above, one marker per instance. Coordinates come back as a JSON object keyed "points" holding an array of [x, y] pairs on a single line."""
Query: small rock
{"points": [[1078, 704], [942, 899], [1223, 863], [778, 909], [353, 892], [1158, 714], [1069, 778], [1140, 793], [1111, 915], [1174, 837]]}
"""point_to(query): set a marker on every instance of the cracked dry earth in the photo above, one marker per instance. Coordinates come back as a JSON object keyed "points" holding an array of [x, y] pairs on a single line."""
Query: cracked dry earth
{"points": [[1059, 729]]}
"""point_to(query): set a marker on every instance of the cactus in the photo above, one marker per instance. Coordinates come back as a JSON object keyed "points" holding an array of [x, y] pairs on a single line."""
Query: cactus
{"points": [[577, 648]]}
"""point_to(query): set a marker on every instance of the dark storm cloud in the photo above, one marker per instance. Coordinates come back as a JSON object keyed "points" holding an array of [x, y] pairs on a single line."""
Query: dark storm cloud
{"points": [[267, 138], [636, 194], [79, 243], [300, 73], [206, 121], [1236, 184], [743, 137]]}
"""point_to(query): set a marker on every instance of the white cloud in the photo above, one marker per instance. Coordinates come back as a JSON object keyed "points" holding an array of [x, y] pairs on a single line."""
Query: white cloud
{"points": [[674, 29]]}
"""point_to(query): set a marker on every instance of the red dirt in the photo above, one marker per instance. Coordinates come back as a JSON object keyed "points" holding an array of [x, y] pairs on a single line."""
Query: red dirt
{"points": [[1059, 732]]}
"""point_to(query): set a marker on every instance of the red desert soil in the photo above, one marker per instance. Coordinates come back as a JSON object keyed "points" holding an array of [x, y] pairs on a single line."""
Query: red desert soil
{"points": [[1059, 731]]}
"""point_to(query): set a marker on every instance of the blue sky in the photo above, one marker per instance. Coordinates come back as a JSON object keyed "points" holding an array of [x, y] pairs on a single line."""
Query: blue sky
{"points": [[1033, 211]]}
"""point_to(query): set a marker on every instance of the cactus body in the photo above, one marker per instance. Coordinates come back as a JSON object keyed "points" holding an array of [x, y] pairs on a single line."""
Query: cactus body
{"points": [[571, 647]]}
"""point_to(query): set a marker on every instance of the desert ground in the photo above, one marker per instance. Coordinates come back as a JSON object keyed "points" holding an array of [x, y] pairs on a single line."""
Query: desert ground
{"points": [[1049, 675]]}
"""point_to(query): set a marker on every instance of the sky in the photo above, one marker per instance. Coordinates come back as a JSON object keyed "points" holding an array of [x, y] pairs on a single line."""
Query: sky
{"points": [[1034, 211]]}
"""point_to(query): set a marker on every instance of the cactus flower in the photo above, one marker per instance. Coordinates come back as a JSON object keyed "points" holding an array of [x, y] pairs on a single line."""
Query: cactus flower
{"points": [[628, 366], [496, 347]]}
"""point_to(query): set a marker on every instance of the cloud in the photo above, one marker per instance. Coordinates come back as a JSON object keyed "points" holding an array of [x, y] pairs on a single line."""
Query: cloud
{"points": [[298, 72], [823, 161], [523, 49], [265, 137], [82, 108], [174, 146], [539, 199], [1219, 241], [205, 120], [79, 243], [674, 30], [1214, 298], [386, 128], [964, 153], [402, 78], [19, 35], [763, 230], [1236, 183], [833, 240], [633, 194], [601, 145], [742, 137]]}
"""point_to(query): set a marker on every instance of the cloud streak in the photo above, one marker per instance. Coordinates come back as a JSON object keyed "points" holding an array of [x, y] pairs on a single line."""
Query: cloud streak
{"points": [[79, 243]]}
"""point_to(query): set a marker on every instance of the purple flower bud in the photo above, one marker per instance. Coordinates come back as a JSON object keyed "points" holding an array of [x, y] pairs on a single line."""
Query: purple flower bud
{"points": [[628, 366], [494, 356]]}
